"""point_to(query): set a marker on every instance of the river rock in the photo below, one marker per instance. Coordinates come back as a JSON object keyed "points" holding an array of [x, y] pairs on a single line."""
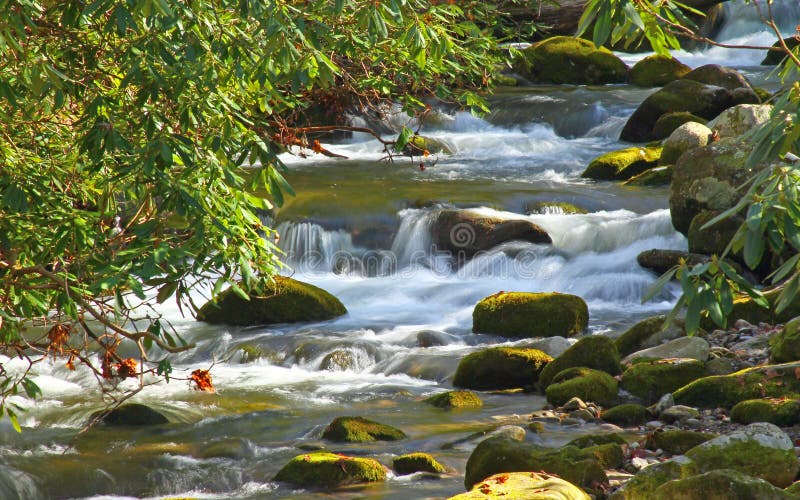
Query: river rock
{"points": [[683, 347], [715, 238], [564, 59], [553, 346], [594, 351], [622, 164], [500, 368], [416, 462], [584, 383], [338, 360], [773, 57], [360, 430], [668, 122], [522, 314], [688, 136], [523, 486], [770, 381], [329, 470], [464, 233], [740, 119], [132, 414], [662, 261], [553, 208], [779, 411], [761, 450], [678, 413], [499, 454], [648, 480], [656, 71], [285, 300], [627, 415], [785, 345], [678, 441], [720, 484], [455, 399], [651, 380], [719, 76]]}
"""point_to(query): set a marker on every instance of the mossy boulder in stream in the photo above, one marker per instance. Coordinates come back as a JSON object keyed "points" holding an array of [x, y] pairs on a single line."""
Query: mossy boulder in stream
{"points": [[285, 300], [712, 239], [622, 164], [656, 176], [523, 314], [132, 414], [329, 470], [668, 122], [416, 462], [723, 484], [768, 381], [523, 486], [678, 441], [778, 411], [564, 59], [785, 345], [500, 454], [656, 71], [634, 337], [651, 380], [594, 351], [584, 383], [644, 484], [360, 430], [627, 415], [455, 399], [500, 368]]}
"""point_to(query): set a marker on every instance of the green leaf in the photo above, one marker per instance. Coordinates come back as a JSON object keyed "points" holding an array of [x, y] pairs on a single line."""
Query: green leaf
{"points": [[13, 418], [402, 139], [659, 284]]}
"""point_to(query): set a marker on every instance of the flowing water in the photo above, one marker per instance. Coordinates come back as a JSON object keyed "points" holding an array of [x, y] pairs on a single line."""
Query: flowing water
{"points": [[361, 229]]}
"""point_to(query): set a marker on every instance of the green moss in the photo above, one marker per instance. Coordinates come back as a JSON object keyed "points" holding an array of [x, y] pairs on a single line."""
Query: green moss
{"points": [[678, 442], [793, 490], [657, 176], [719, 485], [785, 345], [585, 383], [455, 399], [763, 94], [626, 415], [656, 71], [500, 368], [536, 427], [609, 455], [631, 340], [500, 454], [594, 351], [781, 412], [419, 144], [771, 381], [652, 380], [778, 466], [564, 59], [714, 239], [589, 440], [520, 314], [668, 122], [505, 80], [644, 484], [523, 485], [326, 470], [360, 430], [553, 207], [622, 164], [284, 301], [416, 462]]}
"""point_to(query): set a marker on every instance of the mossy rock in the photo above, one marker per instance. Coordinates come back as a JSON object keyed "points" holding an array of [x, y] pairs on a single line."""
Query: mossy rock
{"points": [[360, 430], [455, 399], [419, 145], [773, 58], [651, 380], [793, 490], [661, 261], [523, 486], [785, 345], [523, 314], [719, 485], [656, 71], [416, 462], [132, 414], [589, 440], [668, 122], [778, 411], [329, 470], [501, 454], [719, 76], [553, 207], [769, 381], [622, 164], [285, 300], [594, 351], [656, 176], [338, 360], [761, 450], [627, 415], [678, 442], [564, 59], [644, 484], [713, 239], [251, 353], [500, 368], [632, 339], [610, 455], [584, 383]]}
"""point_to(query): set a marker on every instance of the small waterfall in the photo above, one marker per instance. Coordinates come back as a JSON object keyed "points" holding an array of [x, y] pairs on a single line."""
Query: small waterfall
{"points": [[310, 247], [742, 19], [413, 241]]}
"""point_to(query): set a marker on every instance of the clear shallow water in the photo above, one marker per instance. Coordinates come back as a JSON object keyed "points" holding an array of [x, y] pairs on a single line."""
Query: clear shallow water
{"points": [[358, 230]]}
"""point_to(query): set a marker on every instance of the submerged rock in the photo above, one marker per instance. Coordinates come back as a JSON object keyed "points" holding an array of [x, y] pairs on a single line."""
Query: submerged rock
{"points": [[622, 164], [594, 351], [523, 486], [779, 411], [416, 462], [564, 59], [500, 368], [328, 470], [360, 430], [284, 301], [656, 71], [651, 380], [455, 399], [133, 414], [584, 383], [522, 314], [771, 381]]}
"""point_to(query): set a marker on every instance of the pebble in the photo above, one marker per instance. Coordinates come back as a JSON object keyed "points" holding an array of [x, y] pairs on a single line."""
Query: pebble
{"points": [[677, 413], [665, 402], [654, 424], [574, 404], [639, 463]]}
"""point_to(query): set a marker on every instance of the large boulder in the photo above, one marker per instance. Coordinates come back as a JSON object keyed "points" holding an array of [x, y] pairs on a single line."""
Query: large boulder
{"points": [[285, 300], [360, 430], [651, 380], [785, 345], [738, 120], [778, 411], [523, 486], [594, 351], [683, 347], [464, 233], [583, 383], [677, 441], [521, 314], [645, 483], [564, 59], [329, 470], [761, 450], [668, 122], [774, 57], [656, 71], [501, 454], [623, 164], [688, 136], [500, 368], [719, 76], [719, 485], [713, 239]]}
